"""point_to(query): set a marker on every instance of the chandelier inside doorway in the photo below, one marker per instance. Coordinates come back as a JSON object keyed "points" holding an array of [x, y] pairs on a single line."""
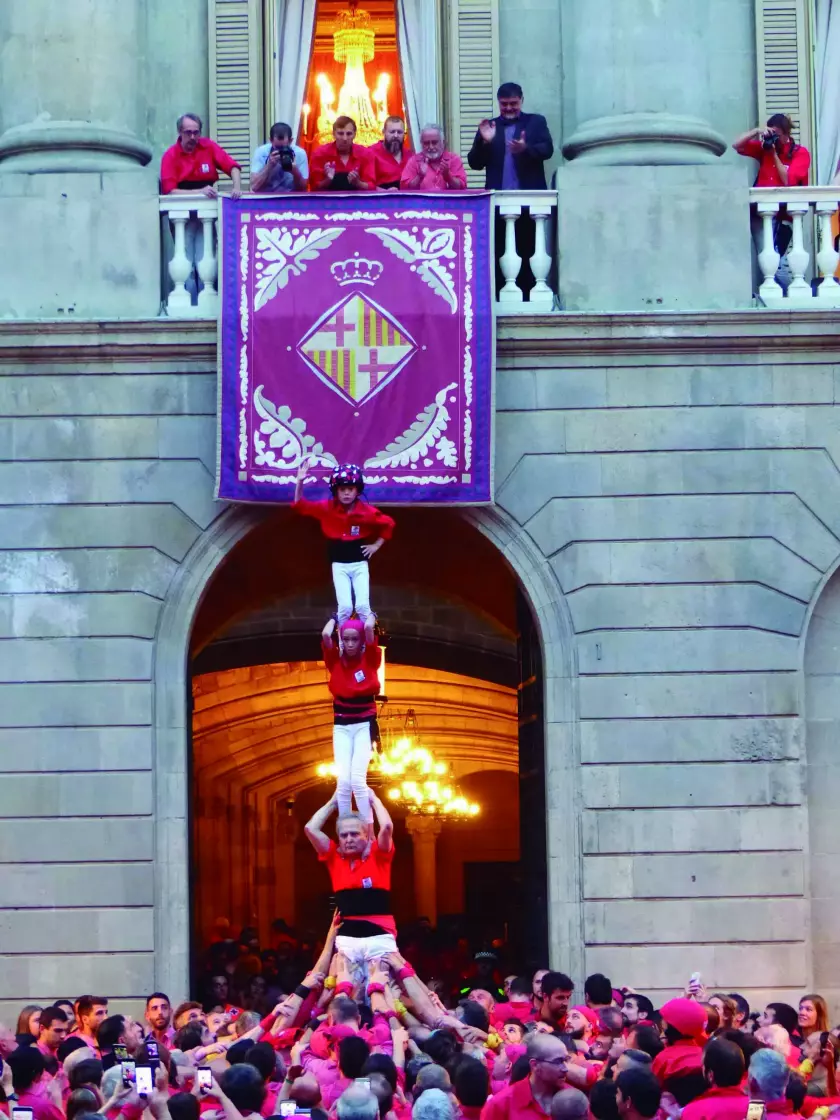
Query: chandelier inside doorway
{"points": [[354, 45], [411, 776]]}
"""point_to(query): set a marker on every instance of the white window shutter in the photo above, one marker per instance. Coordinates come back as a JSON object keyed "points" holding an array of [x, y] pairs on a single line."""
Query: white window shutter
{"points": [[785, 64], [473, 39], [235, 34]]}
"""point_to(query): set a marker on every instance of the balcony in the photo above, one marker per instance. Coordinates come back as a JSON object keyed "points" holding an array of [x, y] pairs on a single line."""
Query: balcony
{"points": [[809, 280]]}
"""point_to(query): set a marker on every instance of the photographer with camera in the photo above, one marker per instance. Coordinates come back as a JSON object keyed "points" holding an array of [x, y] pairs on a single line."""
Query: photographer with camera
{"points": [[279, 167], [781, 161]]}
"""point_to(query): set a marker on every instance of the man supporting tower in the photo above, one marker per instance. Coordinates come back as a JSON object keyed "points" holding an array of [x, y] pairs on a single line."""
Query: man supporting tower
{"points": [[360, 872]]}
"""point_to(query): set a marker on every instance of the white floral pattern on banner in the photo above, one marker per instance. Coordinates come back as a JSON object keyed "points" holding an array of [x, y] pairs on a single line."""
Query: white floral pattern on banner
{"points": [[243, 350], [420, 480], [426, 257], [287, 437], [357, 216], [415, 441], [426, 214], [468, 356], [282, 253]]}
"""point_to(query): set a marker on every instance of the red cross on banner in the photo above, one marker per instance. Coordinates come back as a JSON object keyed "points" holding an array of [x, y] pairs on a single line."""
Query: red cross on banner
{"points": [[339, 326], [374, 367]]}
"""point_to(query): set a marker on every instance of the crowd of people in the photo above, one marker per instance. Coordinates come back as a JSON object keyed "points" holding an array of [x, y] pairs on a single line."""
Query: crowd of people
{"points": [[388, 1046]]}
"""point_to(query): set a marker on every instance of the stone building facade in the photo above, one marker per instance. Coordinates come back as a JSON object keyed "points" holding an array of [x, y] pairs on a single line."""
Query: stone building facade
{"points": [[667, 499]]}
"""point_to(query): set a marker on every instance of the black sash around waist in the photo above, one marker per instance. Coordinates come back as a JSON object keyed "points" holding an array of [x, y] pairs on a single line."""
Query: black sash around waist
{"points": [[361, 902]]}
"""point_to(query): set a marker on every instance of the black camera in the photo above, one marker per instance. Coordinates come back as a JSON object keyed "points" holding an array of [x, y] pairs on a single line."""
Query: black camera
{"points": [[287, 158], [770, 140]]}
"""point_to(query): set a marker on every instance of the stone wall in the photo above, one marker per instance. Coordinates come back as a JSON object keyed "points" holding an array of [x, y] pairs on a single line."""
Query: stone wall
{"points": [[679, 474]]}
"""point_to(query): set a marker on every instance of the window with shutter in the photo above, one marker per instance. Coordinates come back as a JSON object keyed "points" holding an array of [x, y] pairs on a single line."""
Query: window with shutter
{"points": [[785, 71], [235, 34], [473, 41]]}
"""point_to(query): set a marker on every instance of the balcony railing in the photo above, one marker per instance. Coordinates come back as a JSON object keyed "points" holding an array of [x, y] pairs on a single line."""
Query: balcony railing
{"points": [[527, 282], [527, 285], [808, 213]]}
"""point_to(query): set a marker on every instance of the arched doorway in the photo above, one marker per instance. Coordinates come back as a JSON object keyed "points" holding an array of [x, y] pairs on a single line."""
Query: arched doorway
{"points": [[262, 725], [247, 556]]}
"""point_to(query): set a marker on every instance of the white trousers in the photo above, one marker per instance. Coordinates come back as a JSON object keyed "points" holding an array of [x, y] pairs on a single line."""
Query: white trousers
{"points": [[352, 750], [360, 950], [352, 585]]}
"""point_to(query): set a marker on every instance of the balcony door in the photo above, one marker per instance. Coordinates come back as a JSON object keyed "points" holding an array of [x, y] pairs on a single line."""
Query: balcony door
{"points": [[261, 55]]}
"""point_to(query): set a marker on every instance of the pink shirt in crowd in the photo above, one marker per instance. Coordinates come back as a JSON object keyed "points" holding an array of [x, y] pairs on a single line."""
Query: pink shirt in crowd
{"points": [[433, 180]]}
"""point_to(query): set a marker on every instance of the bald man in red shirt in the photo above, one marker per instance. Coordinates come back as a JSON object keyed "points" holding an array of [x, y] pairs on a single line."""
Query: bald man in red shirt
{"points": [[360, 873]]}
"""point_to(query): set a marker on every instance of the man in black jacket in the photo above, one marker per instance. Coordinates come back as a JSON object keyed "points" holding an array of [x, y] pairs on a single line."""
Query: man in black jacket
{"points": [[512, 148]]}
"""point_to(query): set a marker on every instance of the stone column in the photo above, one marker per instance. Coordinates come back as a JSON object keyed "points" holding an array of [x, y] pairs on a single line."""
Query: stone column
{"points": [[650, 218], [636, 81], [424, 832], [73, 104], [285, 839]]}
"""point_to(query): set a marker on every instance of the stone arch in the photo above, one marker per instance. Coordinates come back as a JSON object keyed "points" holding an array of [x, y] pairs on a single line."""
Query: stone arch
{"points": [[822, 784], [171, 723]]}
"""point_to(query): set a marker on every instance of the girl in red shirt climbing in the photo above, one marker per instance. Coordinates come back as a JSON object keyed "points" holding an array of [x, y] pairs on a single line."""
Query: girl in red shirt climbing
{"points": [[354, 684], [355, 531]]}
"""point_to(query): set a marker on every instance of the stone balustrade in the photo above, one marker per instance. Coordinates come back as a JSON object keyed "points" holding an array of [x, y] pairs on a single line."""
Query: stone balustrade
{"points": [[812, 259], [188, 233], [188, 228], [537, 207]]}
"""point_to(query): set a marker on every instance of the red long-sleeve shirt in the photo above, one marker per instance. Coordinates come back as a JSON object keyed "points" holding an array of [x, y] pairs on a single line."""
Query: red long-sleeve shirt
{"points": [[354, 682], [347, 528]]}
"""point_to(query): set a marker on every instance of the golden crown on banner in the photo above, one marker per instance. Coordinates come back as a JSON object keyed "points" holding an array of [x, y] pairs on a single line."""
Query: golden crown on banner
{"points": [[356, 270]]}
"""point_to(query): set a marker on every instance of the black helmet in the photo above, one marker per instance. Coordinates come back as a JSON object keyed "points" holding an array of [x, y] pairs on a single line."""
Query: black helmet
{"points": [[348, 474]]}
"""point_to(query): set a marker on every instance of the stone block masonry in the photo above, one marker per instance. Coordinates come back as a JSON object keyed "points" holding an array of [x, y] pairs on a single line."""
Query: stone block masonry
{"points": [[675, 480]]}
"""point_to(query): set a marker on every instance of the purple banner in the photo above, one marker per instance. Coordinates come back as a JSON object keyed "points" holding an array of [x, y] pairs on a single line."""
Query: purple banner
{"points": [[358, 328]]}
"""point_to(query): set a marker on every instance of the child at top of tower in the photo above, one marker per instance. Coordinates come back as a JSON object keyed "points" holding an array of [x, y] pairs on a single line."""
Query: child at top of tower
{"points": [[355, 531], [354, 684]]}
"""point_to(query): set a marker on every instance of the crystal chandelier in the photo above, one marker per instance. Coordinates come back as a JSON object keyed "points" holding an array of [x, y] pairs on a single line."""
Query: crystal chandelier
{"points": [[415, 779], [353, 44]]}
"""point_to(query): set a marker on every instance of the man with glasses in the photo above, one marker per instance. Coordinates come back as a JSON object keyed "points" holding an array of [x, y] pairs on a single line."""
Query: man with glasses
{"points": [[191, 167], [530, 1099], [193, 163]]}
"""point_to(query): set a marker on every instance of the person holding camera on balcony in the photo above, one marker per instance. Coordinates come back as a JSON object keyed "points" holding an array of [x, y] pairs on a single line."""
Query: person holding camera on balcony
{"points": [[279, 167], [781, 163]]}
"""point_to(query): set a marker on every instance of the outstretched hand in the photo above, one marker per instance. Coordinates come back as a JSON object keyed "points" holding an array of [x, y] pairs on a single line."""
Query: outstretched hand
{"points": [[303, 469]]}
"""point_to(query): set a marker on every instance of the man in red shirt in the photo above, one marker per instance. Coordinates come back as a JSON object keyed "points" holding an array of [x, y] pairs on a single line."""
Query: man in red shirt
{"points": [[90, 1012], [52, 1031], [360, 873], [34, 1087], [725, 1099], [342, 165], [557, 990], [530, 1099], [389, 155], [191, 167], [192, 164]]}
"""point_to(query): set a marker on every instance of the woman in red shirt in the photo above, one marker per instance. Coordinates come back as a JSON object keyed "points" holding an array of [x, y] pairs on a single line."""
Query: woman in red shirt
{"points": [[354, 684]]}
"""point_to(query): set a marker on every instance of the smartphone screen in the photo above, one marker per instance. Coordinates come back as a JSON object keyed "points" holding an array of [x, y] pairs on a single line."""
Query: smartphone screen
{"points": [[120, 1052], [21, 1114], [287, 1108], [153, 1052], [205, 1080], [127, 1073], [144, 1080], [756, 1110]]}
